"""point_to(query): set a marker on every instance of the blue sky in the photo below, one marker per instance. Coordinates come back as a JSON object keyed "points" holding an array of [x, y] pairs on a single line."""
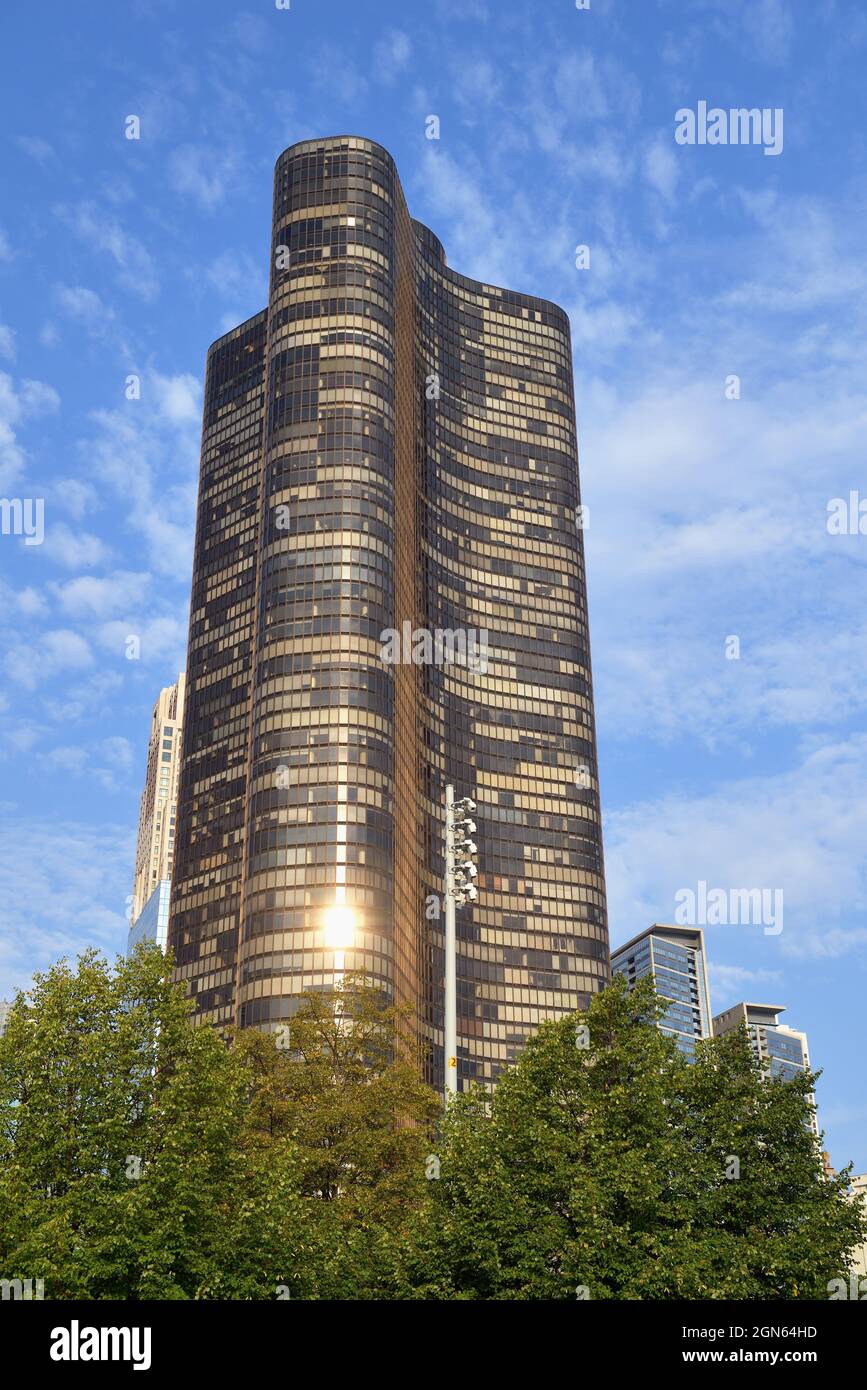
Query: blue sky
{"points": [[708, 515]]}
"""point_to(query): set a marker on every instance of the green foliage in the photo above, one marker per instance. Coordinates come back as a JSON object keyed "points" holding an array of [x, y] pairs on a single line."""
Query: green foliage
{"points": [[608, 1172], [345, 1088], [142, 1157], [257, 1168]]}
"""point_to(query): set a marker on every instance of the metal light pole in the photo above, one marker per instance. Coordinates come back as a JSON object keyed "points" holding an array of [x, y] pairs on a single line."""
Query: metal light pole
{"points": [[460, 854], [451, 1019]]}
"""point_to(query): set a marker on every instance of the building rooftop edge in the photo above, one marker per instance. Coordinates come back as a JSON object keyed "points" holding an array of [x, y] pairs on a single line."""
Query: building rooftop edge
{"points": [[657, 926], [744, 1004], [349, 135]]}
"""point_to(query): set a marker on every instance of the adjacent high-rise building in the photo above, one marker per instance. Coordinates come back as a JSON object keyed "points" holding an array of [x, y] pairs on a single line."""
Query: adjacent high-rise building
{"points": [[388, 595], [152, 923], [5, 1009], [782, 1051], [155, 847], [675, 957], [858, 1193]]}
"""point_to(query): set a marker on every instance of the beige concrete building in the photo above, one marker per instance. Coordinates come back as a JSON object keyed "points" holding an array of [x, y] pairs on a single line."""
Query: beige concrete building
{"points": [[156, 826], [782, 1051], [858, 1192]]}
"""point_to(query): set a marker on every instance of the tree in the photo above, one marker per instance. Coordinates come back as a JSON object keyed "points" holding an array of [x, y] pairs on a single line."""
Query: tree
{"points": [[123, 1167], [619, 1170], [342, 1082], [142, 1157]]}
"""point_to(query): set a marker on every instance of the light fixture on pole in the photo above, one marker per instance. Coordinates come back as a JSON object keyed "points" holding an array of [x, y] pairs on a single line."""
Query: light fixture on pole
{"points": [[461, 869]]}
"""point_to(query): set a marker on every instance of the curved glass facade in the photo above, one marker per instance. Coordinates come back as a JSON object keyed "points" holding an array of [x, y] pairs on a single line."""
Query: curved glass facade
{"points": [[416, 472]]}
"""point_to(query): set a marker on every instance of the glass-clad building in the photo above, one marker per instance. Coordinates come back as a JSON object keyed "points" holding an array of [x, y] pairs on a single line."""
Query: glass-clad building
{"points": [[675, 957], [389, 450], [781, 1051], [152, 923]]}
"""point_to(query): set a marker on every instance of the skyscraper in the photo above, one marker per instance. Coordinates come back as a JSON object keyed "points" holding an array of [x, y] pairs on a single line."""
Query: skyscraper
{"points": [[155, 847], [676, 959], [152, 923], [5, 1010], [782, 1051], [388, 595]]}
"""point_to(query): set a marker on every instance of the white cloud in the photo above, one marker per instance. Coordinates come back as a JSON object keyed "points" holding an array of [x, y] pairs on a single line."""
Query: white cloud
{"points": [[89, 596], [67, 759], [99, 229], [92, 698], [731, 983], [391, 55], [178, 398], [47, 654], [17, 405], [351, 86], [162, 639], [7, 342], [475, 84], [477, 241], [203, 173], [769, 25], [37, 148], [84, 306], [661, 168], [567, 92], [74, 496], [31, 602], [77, 877], [118, 752], [20, 737], [804, 258], [799, 831], [149, 458], [95, 697], [72, 549]]}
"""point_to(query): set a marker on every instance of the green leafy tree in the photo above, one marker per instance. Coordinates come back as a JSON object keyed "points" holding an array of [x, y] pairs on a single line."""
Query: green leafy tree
{"points": [[342, 1083], [124, 1170], [618, 1170], [142, 1157]]}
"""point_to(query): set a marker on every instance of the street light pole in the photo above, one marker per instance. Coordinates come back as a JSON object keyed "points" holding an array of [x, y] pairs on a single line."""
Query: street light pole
{"points": [[451, 1014], [460, 870]]}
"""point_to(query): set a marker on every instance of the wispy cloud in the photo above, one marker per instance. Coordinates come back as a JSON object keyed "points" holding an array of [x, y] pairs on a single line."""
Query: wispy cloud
{"points": [[37, 148], [29, 663], [98, 229], [84, 306], [798, 831], [77, 877], [203, 173], [391, 55], [19, 403]]}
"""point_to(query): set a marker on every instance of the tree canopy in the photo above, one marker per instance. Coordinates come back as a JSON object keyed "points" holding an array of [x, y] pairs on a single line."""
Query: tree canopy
{"points": [[143, 1157], [607, 1166]]}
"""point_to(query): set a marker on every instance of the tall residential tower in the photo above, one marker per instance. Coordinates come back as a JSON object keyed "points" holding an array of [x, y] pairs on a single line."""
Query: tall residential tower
{"points": [[782, 1051], [389, 451], [675, 957], [157, 815]]}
